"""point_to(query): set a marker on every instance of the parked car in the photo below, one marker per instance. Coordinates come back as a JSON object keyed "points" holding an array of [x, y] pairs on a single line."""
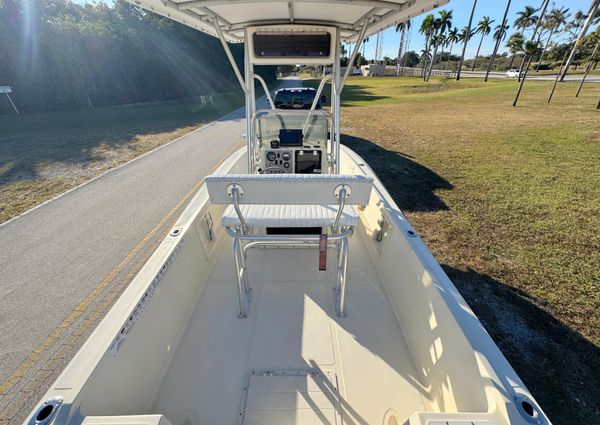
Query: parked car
{"points": [[513, 73], [297, 98]]}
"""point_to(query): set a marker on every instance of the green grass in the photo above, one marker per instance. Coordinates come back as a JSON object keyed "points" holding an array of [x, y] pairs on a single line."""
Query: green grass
{"points": [[508, 200], [42, 155]]}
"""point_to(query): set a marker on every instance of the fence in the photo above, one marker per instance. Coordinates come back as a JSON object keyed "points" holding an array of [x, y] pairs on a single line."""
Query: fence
{"points": [[417, 72]]}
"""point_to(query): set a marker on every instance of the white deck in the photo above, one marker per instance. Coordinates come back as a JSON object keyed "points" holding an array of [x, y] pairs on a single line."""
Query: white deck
{"points": [[361, 362]]}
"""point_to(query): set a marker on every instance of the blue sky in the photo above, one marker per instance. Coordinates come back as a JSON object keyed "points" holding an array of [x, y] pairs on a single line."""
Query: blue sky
{"points": [[461, 10]]}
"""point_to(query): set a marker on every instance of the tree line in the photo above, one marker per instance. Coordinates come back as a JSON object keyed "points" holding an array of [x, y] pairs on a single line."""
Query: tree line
{"points": [[554, 35], [59, 55]]}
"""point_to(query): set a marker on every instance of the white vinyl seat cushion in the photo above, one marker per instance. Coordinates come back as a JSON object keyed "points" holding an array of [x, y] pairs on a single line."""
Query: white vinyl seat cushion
{"points": [[289, 216]]}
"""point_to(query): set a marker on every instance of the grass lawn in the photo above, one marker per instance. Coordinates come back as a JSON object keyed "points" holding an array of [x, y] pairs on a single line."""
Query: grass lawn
{"points": [[508, 200], [42, 155]]}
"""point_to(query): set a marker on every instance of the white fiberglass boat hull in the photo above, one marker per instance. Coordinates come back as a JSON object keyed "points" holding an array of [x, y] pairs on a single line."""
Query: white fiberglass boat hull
{"points": [[409, 350]]}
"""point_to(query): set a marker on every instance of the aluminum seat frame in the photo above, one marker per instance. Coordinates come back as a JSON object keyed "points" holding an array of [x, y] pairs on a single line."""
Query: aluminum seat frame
{"points": [[244, 239]]}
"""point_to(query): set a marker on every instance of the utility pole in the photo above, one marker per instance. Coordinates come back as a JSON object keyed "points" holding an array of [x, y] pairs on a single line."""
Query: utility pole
{"points": [[462, 58], [498, 41], [586, 26]]}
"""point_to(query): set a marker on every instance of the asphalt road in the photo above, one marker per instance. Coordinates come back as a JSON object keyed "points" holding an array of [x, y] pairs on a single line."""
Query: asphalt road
{"points": [[53, 258], [531, 75]]}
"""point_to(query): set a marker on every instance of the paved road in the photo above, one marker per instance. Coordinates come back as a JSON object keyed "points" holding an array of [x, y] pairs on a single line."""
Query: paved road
{"points": [[533, 76], [54, 258]]}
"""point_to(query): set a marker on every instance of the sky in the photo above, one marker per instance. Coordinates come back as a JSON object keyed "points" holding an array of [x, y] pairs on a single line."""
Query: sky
{"points": [[461, 11]]}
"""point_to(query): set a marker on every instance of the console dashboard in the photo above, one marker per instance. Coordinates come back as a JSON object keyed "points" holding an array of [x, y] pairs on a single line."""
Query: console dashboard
{"points": [[292, 142], [299, 160]]}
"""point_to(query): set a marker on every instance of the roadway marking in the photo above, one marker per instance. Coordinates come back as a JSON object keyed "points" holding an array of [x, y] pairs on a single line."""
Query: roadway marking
{"points": [[24, 367]]}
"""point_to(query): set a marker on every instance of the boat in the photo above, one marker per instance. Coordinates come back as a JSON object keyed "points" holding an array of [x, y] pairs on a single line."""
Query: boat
{"points": [[292, 289]]}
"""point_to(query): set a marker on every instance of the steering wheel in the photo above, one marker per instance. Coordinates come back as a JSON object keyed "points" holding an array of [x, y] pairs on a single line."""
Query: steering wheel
{"points": [[273, 167]]}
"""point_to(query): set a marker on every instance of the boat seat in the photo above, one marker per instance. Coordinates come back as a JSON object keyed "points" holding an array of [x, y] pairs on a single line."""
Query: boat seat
{"points": [[289, 216], [263, 201]]}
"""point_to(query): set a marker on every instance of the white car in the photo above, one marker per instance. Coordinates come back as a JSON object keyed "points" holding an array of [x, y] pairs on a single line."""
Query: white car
{"points": [[513, 73]]}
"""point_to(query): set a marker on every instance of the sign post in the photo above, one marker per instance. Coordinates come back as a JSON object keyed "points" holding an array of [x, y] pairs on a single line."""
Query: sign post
{"points": [[6, 90]]}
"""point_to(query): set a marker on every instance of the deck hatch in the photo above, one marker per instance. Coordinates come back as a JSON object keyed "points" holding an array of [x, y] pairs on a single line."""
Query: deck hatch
{"points": [[288, 397]]}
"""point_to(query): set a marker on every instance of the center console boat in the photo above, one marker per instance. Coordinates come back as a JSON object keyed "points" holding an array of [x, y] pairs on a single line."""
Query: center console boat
{"points": [[292, 290]]}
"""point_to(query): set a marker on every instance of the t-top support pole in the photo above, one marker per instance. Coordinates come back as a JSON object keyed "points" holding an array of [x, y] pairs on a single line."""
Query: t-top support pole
{"points": [[238, 74], [335, 103], [250, 104], [247, 84], [359, 40]]}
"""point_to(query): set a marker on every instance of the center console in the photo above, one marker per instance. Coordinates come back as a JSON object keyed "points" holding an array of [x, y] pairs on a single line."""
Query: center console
{"points": [[293, 148]]}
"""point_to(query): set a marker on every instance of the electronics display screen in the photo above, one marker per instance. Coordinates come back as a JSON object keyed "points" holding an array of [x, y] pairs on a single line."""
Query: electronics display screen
{"points": [[308, 162], [292, 45], [290, 137]]}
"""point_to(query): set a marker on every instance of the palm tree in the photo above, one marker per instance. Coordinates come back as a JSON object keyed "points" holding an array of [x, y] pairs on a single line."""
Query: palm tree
{"points": [[427, 29], [462, 36], [444, 24], [452, 38], [515, 45], [436, 40], [556, 18], [467, 37], [499, 36], [500, 33], [530, 49], [445, 21], [590, 17], [443, 42], [526, 18], [424, 58], [484, 28], [402, 28]]}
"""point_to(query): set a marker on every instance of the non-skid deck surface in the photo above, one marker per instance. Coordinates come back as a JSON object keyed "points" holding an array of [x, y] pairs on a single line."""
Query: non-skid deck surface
{"points": [[223, 364]]}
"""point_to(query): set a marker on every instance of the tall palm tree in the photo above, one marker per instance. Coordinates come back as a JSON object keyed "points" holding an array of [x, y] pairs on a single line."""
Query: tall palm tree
{"points": [[499, 36], [402, 28], [444, 24], [443, 42], [530, 48], [434, 42], [427, 29], [515, 44], [526, 18], [556, 18], [484, 27], [500, 33], [452, 38], [467, 37], [445, 21], [590, 17], [462, 36]]}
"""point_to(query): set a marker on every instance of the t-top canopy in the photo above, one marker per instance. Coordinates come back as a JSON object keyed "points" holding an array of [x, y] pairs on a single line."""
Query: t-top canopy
{"points": [[236, 15]]}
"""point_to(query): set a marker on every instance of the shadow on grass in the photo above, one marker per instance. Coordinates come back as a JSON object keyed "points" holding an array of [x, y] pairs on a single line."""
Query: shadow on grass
{"points": [[358, 93], [76, 139], [412, 185], [559, 366], [351, 93]]}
